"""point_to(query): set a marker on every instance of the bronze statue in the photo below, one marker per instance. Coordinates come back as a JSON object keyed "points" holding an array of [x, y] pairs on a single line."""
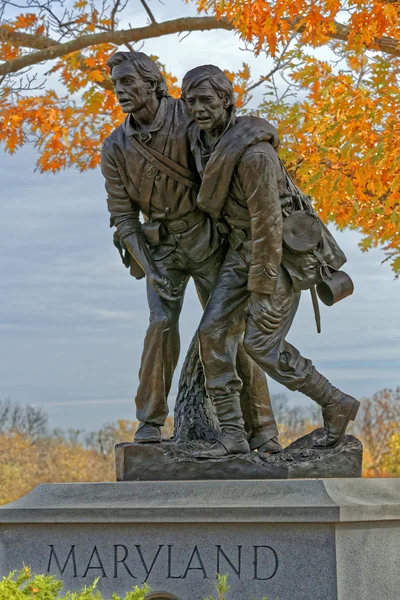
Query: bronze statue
{"points": [[245, 186], [149, 170]]}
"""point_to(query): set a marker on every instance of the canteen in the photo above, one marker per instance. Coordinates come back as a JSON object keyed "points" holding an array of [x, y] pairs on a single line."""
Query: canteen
{"points": [[301, 232]]}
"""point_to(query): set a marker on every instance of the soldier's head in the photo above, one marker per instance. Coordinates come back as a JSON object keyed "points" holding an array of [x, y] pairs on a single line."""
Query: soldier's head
{"points": [[136, 79], [209, 96]]}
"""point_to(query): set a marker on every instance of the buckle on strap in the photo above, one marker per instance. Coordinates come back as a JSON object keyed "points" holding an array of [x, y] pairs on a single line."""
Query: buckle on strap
{"points": [[177, 226]]}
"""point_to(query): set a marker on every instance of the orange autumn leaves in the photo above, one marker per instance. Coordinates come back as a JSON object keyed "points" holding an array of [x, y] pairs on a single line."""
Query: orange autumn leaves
{"points": [[65, 135], [27, 21], [269, 23], [68, 132], [339, 126], [27, 460], [344, 142], [24, 463]]}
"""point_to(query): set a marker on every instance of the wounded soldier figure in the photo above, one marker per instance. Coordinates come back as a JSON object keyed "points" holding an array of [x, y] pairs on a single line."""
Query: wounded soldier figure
{"points": [[244, 185]]}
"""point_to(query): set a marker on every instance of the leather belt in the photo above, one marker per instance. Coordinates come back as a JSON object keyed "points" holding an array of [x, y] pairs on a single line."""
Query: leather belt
{"points": [[181, 225], [236, 230], [240, 224]]}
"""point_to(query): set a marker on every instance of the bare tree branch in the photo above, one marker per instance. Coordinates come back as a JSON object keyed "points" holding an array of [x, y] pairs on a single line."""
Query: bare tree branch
{"points": [[147, 9], [185, 36], [113, 14], [280, 64]]}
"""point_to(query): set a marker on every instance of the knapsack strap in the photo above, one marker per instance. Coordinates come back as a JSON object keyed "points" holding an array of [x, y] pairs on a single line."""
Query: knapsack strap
{"points": [[302, 199]]}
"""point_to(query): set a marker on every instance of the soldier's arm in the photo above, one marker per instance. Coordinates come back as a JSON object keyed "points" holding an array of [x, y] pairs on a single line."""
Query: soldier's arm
{"points": [[125, 213], [125, 217], [258, 176]]}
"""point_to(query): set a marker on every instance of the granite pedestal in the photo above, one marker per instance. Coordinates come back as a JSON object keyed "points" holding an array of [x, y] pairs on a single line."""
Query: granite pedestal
{"points": [[292, 540]]}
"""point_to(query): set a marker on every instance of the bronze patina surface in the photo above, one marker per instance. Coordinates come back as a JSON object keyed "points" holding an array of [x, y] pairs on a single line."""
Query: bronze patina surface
{"points": [[196, 192], [149, 171]]}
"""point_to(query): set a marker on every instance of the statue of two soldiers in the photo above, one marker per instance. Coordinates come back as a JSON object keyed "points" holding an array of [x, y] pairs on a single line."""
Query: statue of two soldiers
{"points": [[212, 195]]}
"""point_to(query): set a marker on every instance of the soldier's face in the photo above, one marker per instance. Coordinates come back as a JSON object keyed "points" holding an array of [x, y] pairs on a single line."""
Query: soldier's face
{"points": [[207, 108], [131, 90]]}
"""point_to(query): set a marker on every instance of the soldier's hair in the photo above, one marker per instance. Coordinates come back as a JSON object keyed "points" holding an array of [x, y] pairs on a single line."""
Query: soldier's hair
{"points": [[146, 68], [217, 79]]}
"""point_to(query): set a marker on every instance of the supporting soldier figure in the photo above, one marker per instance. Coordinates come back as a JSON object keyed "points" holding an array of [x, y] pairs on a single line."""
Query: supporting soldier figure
{"points": [[149, 169], [244, 185]]}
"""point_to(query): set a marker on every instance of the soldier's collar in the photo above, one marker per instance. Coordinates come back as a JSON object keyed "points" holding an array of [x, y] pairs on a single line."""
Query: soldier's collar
{"points": [[130, 125]]}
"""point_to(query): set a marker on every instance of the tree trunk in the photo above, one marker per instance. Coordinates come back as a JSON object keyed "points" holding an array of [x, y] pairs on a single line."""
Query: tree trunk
{"points": [[195, 417]]}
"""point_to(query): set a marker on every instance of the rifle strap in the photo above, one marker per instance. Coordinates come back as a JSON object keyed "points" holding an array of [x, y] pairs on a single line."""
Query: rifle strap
{"points": [[315, 304]]}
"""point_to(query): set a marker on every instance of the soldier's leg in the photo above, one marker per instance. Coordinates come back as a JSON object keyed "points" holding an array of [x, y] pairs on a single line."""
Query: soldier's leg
{"points": [[220, 330], [160, 353], [205, 274], [255, 399], [270, 319]]}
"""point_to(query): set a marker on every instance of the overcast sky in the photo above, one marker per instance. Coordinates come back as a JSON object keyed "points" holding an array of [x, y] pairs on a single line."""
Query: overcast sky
{"points": [[72, 320]]}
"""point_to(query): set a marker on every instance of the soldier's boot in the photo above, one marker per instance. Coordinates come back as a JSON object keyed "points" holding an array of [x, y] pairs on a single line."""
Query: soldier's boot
{"points": [[338, 408], [272, 446], [148, 433], [233, 438]]}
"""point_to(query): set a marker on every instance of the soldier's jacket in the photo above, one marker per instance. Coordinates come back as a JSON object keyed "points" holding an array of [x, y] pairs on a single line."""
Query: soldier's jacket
{"points": [[126, 170], [243, 182]]}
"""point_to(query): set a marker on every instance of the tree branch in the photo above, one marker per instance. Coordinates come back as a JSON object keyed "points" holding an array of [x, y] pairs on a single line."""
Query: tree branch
{"points": [[114, 13], [114, 37], [147, 9], [40, 42], [384, 44], [50, 49], [19, 39], [276, 68]]}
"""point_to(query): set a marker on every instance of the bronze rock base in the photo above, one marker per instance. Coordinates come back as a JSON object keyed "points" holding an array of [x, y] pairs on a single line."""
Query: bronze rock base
{"points": [[173, 461]]}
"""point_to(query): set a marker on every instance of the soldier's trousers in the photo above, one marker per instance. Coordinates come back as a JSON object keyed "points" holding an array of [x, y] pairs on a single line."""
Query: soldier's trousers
{"points": [[222, 326], [162, 346]]}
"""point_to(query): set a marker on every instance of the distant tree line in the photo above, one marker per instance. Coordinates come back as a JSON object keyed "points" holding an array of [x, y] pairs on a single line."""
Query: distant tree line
{"points": [[32, 453]]}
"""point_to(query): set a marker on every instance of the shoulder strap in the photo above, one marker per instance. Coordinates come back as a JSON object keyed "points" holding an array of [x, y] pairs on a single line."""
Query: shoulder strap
{"points": [[174, 166], [303, 202], [159, 141], [165, 165], [147, 184]]}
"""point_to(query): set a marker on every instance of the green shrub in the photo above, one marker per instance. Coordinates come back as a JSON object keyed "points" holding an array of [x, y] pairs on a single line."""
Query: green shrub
{"points": [[222, 587], [25, 585]]}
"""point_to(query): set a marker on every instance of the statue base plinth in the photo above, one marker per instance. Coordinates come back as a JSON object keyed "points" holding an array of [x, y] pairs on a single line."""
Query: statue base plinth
{"points": [[325, 539], [173, 461]]}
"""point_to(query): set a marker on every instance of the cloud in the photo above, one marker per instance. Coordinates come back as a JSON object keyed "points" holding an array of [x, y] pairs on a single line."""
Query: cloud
{"points": [[73, 321]]}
